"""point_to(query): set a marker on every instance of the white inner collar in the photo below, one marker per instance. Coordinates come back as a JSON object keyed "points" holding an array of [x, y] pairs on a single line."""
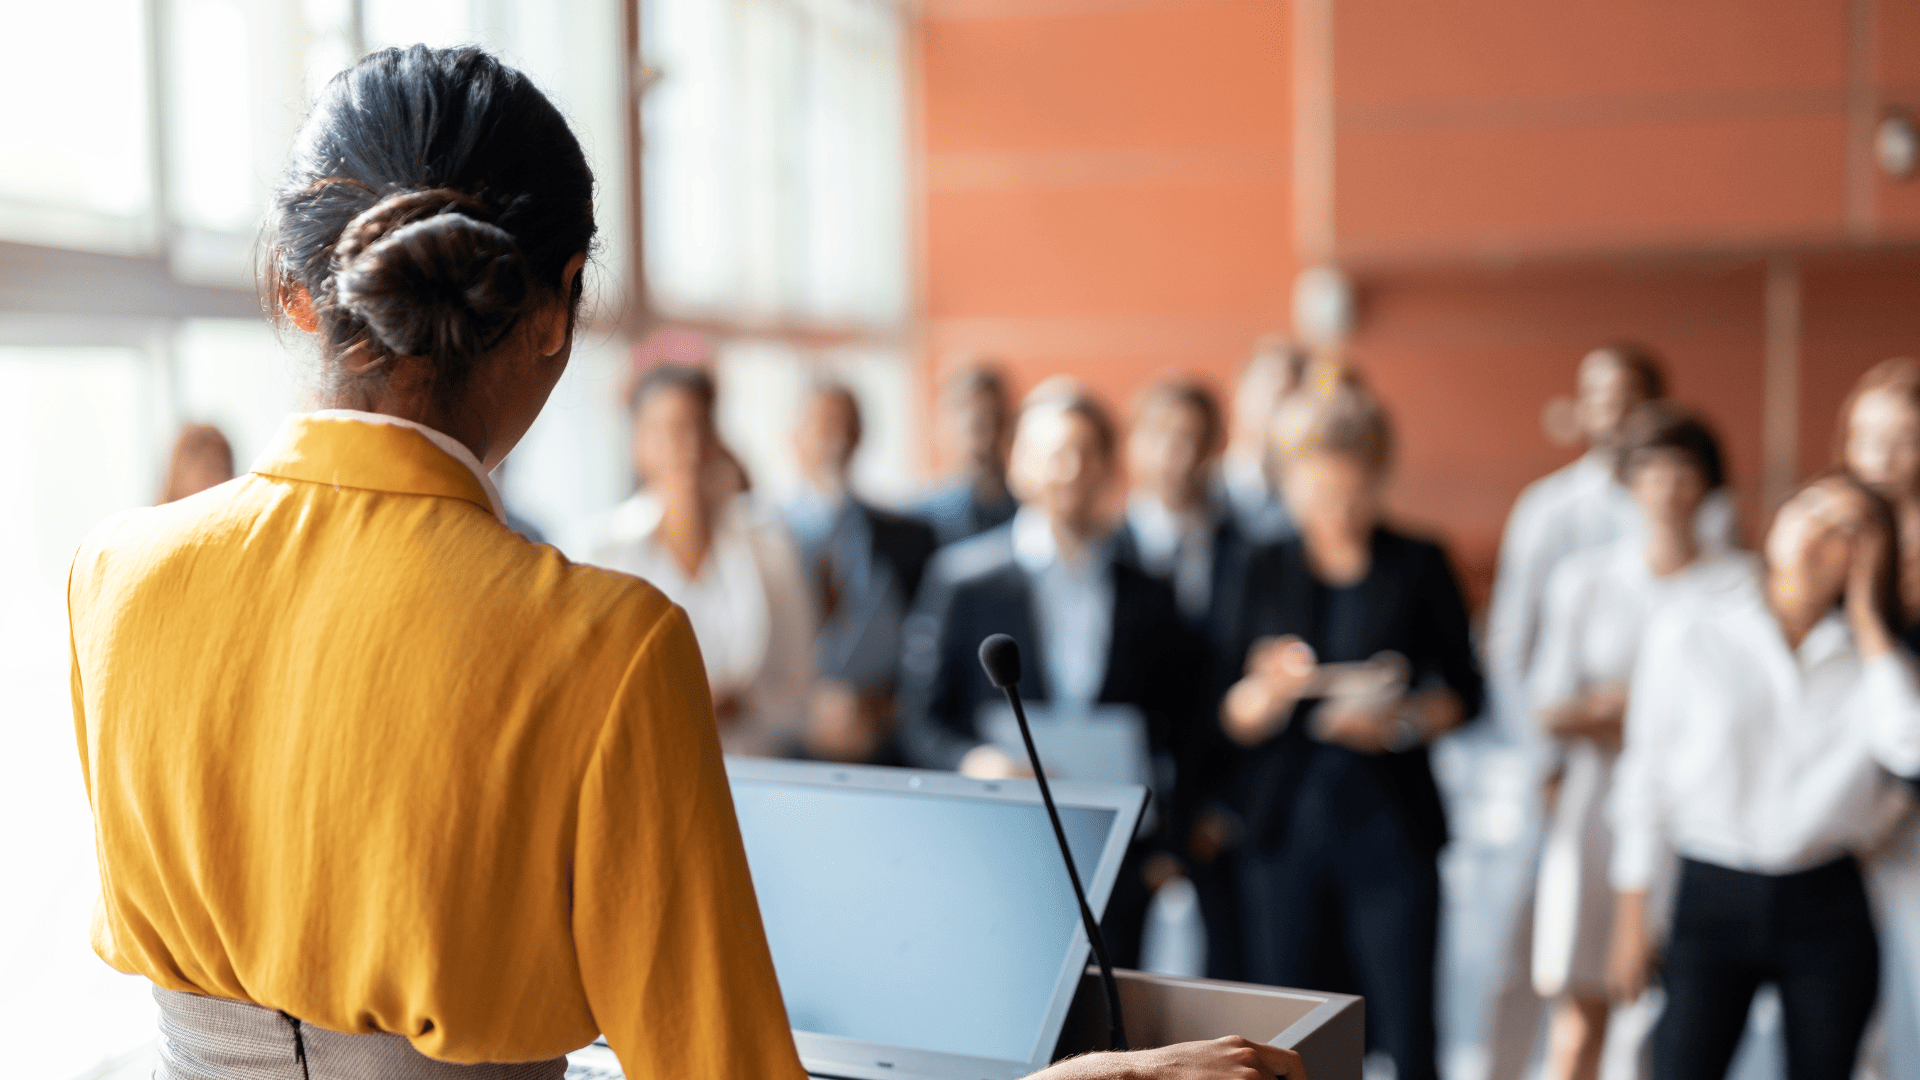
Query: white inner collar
{"points": [[453, 447]]}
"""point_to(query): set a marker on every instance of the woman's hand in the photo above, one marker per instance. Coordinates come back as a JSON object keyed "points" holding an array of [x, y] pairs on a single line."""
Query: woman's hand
{"points": [[1278, 669], [1598, 715], [1866, 571], [1228, 1058], [1630, 964]]}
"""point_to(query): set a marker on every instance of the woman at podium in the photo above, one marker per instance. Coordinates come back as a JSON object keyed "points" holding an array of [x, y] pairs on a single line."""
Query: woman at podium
{"points": [[380, 788]]}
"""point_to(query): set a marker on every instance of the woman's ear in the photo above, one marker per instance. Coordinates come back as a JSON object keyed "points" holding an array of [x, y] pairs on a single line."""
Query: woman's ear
{"points": [[556, 320], [299, 308]]}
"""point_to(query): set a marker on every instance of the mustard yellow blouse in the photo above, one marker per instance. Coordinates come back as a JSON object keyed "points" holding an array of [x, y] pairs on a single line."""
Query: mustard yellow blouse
{"points": [[358, 752]]}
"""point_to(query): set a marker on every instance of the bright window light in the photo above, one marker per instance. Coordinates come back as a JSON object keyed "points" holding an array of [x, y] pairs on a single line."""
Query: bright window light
{"points": [[76, 145]]}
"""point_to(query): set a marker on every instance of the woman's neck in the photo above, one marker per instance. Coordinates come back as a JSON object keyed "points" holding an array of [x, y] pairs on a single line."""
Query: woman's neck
{"points": [[408, 402], [1671, 547], [1339, 561]]}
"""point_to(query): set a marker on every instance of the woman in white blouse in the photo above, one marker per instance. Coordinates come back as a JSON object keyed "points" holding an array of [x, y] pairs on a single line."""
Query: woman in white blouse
{"points": [[1597, 606], [1769, 726], [693, 534]]}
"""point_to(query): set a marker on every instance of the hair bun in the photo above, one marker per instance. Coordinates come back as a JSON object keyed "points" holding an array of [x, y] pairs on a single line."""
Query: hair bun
{"points": [[431, 275]]}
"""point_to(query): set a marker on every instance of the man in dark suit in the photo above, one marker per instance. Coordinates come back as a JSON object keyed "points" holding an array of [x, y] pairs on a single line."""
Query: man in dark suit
{"points": [[1094, 630], [865, 565], [976, 419], [1180, 530]]}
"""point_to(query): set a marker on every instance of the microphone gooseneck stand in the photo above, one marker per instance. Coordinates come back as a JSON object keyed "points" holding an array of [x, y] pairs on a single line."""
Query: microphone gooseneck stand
{"points": [[1000, 656]]}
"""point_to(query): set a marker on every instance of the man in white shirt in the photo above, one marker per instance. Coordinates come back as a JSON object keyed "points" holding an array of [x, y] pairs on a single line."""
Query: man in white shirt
{"points": [[1579, 506]]}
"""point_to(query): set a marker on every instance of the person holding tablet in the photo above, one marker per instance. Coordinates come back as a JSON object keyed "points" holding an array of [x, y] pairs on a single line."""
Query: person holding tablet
{"points": [[380, 788], [1339, 875]]}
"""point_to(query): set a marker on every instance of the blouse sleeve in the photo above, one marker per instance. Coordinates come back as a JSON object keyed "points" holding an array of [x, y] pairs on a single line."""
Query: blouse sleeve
{"points": [[1894, 713], [667, 931], [1656, 708]]}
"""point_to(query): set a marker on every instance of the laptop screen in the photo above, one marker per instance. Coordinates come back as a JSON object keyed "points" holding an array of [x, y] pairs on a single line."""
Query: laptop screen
{"points": [[934, 922]]}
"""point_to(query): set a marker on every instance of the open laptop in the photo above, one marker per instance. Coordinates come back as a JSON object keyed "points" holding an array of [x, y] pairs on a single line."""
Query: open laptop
{"points": [[921, 923]]}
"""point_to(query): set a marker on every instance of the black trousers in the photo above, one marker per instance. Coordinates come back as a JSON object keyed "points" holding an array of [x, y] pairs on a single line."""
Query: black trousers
{"points": [[1810, 934], [1347, 903]]}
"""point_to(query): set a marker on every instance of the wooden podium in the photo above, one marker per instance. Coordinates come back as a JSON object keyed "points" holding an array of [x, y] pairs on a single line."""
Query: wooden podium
{"points": [[1328, 1031]]}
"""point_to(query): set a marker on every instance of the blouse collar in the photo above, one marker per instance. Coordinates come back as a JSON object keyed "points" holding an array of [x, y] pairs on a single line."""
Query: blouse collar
{"points": [[349, 448]]}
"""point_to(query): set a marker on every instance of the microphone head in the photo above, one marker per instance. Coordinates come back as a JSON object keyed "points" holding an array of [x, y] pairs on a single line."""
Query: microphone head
{"points": [[1000, 655]]}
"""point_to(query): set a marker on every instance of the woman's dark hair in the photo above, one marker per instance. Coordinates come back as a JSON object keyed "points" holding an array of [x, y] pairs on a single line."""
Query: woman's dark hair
{"points": [[1662, 425], [685, 378], [1881, 516], [433, 197]]}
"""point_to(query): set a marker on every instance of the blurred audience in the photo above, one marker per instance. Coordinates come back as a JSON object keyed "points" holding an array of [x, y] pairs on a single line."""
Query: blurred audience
{"points": [[1598, 603], [975, 422], [1094, 630], [1248, 479], [1357, 656], [1767, 726], [692, 533], [202, 458], [865, 565], [1294, 656]]}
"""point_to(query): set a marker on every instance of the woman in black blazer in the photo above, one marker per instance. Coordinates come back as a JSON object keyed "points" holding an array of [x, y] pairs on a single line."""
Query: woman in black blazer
{"points": [[1339, 880]]}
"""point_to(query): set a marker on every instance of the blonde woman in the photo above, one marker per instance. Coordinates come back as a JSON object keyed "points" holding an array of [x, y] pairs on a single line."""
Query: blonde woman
{"points": [[1339, 873]]}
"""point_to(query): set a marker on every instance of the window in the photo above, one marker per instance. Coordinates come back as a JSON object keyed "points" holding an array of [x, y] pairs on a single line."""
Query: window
{"points": [[775, 168], [775, 177], [83, 451], [55, 189]]}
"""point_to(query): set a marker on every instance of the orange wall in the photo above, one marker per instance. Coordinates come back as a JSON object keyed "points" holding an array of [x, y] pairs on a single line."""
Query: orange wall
{"points": [[1109, 184], [1106, 186], [1503, 127]]}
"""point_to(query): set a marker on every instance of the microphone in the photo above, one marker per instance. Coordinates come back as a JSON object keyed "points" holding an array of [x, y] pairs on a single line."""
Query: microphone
{"points": [[1000, 656]]}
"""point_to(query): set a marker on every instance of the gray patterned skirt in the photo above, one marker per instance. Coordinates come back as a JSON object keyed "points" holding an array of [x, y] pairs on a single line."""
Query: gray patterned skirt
{"points": [[206, 1038]]}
